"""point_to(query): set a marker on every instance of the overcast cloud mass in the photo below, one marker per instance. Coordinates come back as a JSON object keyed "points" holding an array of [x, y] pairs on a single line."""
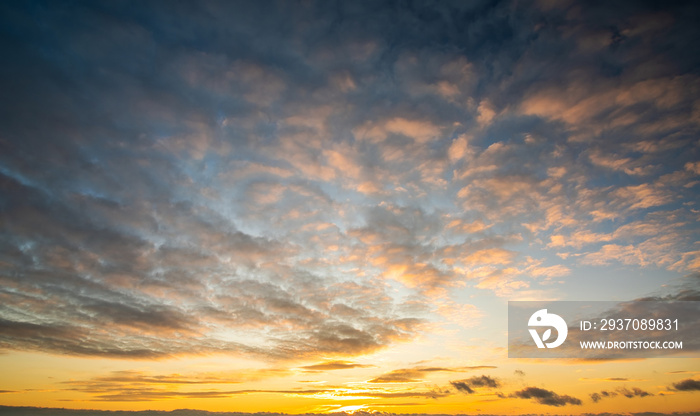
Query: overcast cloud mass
{"points": [[312, 181]]}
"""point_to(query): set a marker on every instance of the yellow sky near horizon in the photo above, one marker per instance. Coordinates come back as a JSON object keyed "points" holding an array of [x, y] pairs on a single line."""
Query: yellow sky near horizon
{"points": [[222, 383]]}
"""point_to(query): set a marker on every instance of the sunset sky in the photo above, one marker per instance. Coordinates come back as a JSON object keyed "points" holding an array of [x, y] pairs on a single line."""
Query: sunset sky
{"points": [[318, 206]]}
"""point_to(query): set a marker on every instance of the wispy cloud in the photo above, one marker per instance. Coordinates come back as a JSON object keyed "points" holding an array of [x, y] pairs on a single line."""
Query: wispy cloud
{"points": [[335, 365], [416, 374], [612, 379], [134, 386]]}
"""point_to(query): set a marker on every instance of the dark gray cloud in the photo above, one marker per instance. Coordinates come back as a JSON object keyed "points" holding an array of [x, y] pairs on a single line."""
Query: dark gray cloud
{"points": [[546, 397], [468, 385], [622, 391], [687, 385], [462, 386], [635, 392], [483, 381]]}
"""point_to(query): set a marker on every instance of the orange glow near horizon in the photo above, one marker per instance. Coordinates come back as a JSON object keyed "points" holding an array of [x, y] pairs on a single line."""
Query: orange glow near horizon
{"points": [[77, 383]]}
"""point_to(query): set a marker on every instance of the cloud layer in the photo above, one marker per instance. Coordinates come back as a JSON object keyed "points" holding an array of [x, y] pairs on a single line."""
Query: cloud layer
{"points": [[320, 180]]}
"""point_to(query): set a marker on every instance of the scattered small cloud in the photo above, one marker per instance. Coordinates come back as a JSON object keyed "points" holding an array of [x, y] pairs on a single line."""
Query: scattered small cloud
{"points": [[462, 386], [622, 391], [468, 385], [416, 374], [335, 365], [545, 397], [687, 385]]}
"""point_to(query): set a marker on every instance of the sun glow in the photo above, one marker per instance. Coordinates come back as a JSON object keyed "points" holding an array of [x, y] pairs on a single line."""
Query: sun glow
{"points": [[349, 409]]}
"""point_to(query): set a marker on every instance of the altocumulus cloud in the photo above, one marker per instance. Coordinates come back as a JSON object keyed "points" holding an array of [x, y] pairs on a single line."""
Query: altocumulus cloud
{"points": [[183, 178]]}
